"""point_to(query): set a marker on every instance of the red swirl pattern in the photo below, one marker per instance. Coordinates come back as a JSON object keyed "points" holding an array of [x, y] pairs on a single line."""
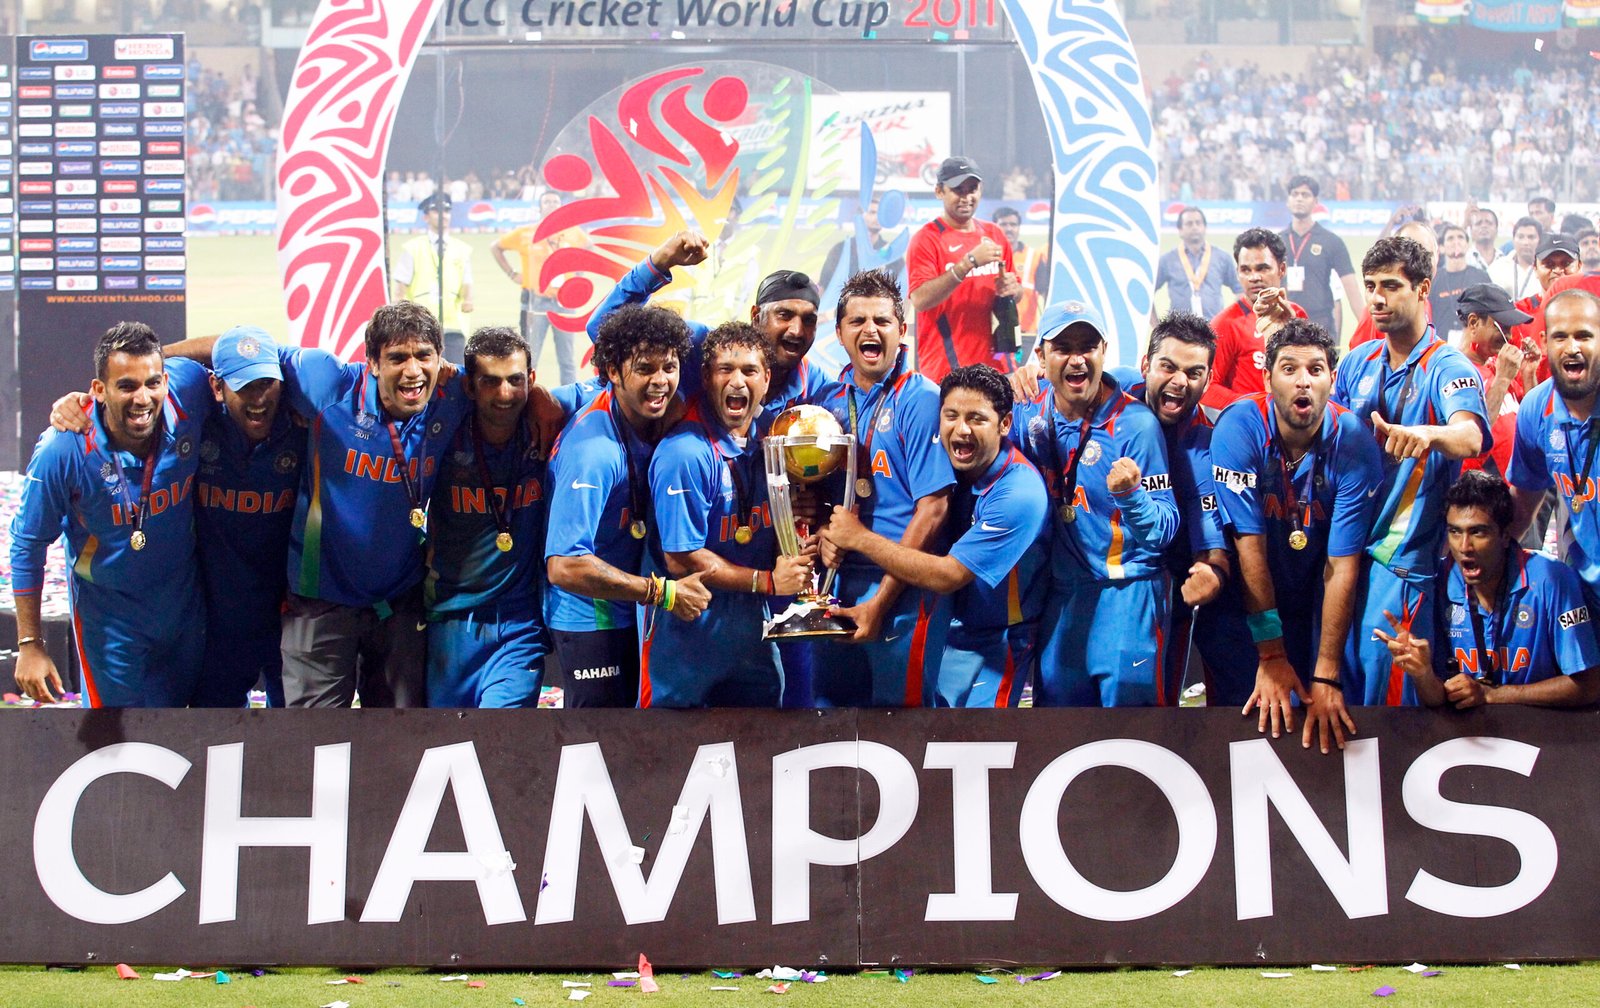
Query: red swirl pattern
{"points": [[336, 123]]}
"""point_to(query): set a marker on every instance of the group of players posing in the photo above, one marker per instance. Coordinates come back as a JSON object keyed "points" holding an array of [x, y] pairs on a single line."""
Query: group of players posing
{"points": [[395, 531]]}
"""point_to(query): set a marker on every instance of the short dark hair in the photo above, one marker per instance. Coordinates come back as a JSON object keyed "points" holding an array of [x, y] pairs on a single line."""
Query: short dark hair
{"points": [[1193, 210], [1492, 215], [1007, 211], [1296, 181], [983, 379], [1185, 328], [736, 336], [1523, 222], [1582, 233], [1480, 489], [633, 330], [1299, 332], [495, 341], [1543, 201], [132, 338], [1573, 223], [402, 320], [1260, 238], [1444, 232], [1415, 262], [871, 284]]}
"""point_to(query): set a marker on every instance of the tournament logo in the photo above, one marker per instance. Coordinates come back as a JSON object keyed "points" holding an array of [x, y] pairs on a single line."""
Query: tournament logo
{"points": [[247, 347], [885, 421], [285, 462], [1557, 441], [462, 459], [1091, 453], [209, 451], [366, 420], [185, 447], [1458, 614], [1365, 387], [1074, 307], [108, 473]]}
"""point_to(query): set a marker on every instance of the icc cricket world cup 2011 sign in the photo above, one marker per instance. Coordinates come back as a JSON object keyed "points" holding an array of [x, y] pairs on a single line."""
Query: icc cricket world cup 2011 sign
{"points": [[844, 838]]}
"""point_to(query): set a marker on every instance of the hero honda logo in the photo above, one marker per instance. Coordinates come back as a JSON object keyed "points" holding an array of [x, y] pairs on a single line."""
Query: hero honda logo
{"points": [[52, 50]]}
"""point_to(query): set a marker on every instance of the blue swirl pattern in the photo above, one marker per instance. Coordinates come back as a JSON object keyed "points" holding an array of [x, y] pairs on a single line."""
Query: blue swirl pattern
{"points": [[1104, 241]]}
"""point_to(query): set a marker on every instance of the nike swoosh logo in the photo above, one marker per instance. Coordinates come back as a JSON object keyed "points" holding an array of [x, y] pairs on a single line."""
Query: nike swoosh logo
{"points": [[985, 526], [1373, 492], [674, 491], [583, 486], [955, 248], [1141, 661]]}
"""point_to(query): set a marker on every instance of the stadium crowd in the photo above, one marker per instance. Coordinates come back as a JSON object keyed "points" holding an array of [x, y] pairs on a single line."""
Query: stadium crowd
{"points": [[1381, 128], [1319, 532]]}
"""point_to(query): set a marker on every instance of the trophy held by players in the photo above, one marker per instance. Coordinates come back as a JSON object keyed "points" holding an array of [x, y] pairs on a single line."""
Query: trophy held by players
{"points": [[805, 445]]}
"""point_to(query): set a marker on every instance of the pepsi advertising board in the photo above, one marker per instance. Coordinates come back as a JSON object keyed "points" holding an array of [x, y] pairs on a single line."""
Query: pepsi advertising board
{"points": [[96, 158]]}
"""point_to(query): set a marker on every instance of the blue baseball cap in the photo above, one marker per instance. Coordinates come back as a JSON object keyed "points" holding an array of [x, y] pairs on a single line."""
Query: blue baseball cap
{"points": [[244, 354], [1057, 317]]}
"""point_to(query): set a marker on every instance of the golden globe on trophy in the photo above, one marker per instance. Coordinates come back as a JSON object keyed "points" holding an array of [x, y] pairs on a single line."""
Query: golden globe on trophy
{"points": [[806, 444]]}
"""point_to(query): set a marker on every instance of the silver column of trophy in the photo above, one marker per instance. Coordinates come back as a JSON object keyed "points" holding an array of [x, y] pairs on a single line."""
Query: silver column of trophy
{"points": [[806, 444]]}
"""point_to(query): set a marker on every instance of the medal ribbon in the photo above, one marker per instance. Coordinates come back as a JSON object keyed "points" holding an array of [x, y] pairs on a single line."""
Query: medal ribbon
{"points": [[1066, 476], [1491, 658], [502, 517], [638, 500], [1291, 489], [872, 422], [413, 489], [741, 494], [1579, 479], [150, 460]]}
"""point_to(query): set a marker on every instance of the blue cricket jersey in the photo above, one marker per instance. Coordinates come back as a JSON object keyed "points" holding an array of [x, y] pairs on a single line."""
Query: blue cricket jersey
{"points": [[77, 484], [896, 424], [1111, 538], [352, 541], [1334, 486], [466, 569], [704, 485], [1001, 520], [244, 504], [1554, 449], [1542, 630], [593, 503], [1436, 382]]}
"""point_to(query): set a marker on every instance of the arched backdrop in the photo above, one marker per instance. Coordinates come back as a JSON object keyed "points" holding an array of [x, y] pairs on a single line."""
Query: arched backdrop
{"points": [[358, 55]]}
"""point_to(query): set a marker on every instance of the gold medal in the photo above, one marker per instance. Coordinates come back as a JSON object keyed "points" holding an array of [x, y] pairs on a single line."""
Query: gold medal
{"points": [[137, 540], [638, 529], [419, 517], [742, 535], [864, 487], [1577, 506], [502, 542], [1297, 540], [1068, 513]]}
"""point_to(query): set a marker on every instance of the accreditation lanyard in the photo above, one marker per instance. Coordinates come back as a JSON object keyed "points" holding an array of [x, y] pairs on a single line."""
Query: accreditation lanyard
{"points": [[1300, 514], [1491, 656], [137, 510], [1065, 477], [1196, 277], [864, 465], [501, 509], [638, 499], [1580, 477], [1295, 251], [742, 493], [413, 485]]}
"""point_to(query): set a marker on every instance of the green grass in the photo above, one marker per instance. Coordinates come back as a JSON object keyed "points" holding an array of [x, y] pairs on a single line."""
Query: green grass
{"points": [[1459, 987]]}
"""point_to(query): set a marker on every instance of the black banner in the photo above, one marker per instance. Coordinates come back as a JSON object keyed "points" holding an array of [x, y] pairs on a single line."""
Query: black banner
{"points": [[834, 839]]}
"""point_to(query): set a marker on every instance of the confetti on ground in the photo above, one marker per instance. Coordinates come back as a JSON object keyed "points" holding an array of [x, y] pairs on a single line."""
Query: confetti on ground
{"points": [[647, 976], [1383, 991], [1046, 975], [518, 1001], [574, 983], [1319, 968], [1515, 966], [1433, 973], [178, 974], [904, 975], [455, 976], [724, 988], [577, 995], [621, 983], [625, 975], [475, 983], [1415, 967], [337, 1004], [1359, 969], [126, 972], [1276, 976], [779, 973], [985, 979], [223, 978], [778, 988], [727, 975], [1182, 973]]}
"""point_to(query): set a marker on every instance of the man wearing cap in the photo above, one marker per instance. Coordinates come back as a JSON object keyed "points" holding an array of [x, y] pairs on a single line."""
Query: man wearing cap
{"points": [[435, 262], [122, 491], [251, 453], [1104, 628], [1556, 257], [1487, 317], [959, 271], [785, 310], [1454, 276]]}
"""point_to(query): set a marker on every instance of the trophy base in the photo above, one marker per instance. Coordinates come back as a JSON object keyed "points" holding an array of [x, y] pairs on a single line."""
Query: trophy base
{"points": [[807, 618]]}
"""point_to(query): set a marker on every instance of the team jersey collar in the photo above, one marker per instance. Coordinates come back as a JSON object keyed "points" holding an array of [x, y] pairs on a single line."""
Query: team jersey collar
{"points": [[101, 438], [1564, 417], [1421, 350], [886, 383], [701, 412], [796, 387], [368, 401], [1456, 590], [282, 423], [1113, 399], [1002, 460]]}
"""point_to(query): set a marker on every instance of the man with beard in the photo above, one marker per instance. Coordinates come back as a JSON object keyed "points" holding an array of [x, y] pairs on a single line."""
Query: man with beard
{"points": [[1316, 255], [957, 268], [122, 493], [1455, 275], [1485, 227], [1424, 403], [1556, 439], [1173, 379], [1104, 626], [486, 637], [785, 311], [994, 569], [1295, 479], [1588, 240], [903, 484], [600, 513], [1242, 328], [1196, 273], [708, 482], [1509, 627]]}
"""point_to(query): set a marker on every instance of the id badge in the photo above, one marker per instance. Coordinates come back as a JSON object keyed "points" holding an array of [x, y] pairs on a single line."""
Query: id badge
{"points": [[1296, 278], [1195, 306]]}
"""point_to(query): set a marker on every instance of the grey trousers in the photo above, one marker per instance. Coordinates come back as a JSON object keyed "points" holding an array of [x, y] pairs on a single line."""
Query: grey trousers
{"points": [[333, 652]]}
